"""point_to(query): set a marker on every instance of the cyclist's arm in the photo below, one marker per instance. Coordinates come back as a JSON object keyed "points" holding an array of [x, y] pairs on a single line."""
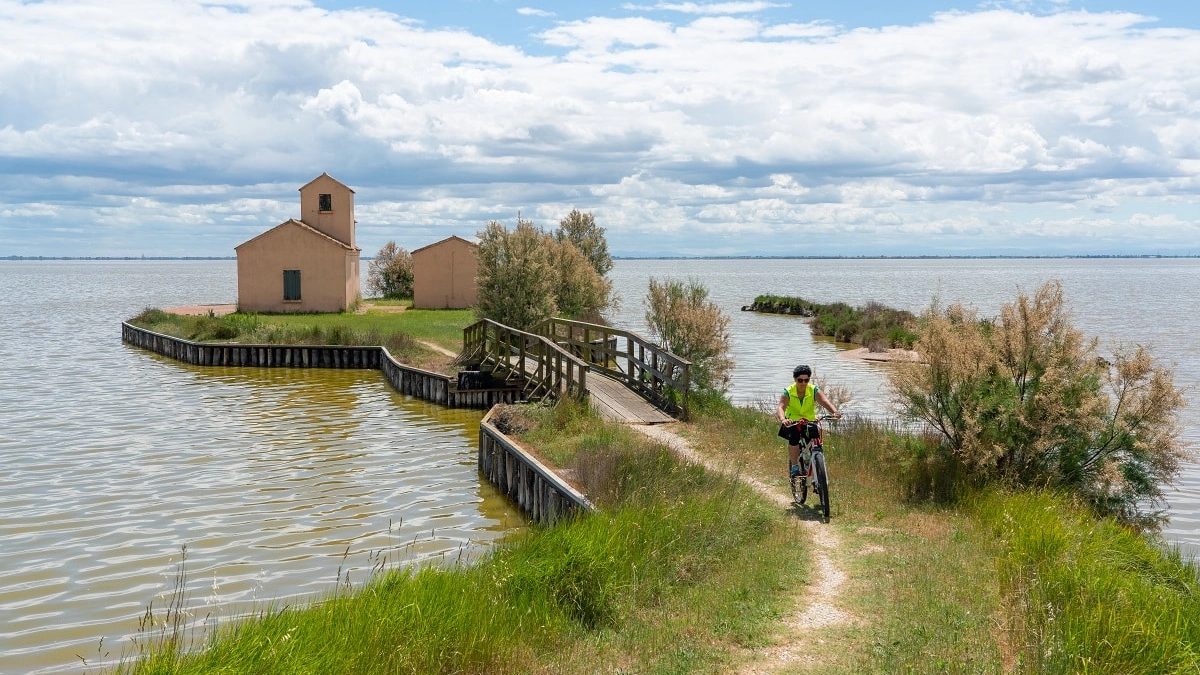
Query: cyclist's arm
{"points": [[827, 404]]}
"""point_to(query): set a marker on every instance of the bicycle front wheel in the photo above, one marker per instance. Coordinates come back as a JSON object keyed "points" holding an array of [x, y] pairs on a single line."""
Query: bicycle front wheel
{"points": [[821, 480], [799, 487]]}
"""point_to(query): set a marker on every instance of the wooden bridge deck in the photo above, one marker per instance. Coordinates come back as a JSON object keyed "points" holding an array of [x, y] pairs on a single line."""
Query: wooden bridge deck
{"points": [[612, 400], [550, 363]]}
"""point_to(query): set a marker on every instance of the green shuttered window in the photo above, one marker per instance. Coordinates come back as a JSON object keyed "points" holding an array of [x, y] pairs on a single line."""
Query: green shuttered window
{"points": [[291, 285]]}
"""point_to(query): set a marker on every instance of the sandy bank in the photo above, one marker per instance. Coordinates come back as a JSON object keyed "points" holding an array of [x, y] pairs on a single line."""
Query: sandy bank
{"points": [[890, 356], [201, 310]]}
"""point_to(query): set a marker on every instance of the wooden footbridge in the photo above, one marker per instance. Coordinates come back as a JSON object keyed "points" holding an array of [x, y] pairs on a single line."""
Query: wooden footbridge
{"points": [[623, 376]]}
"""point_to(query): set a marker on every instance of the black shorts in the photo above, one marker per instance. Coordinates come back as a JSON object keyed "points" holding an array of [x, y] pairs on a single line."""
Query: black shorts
{"points": [[797, 432]]}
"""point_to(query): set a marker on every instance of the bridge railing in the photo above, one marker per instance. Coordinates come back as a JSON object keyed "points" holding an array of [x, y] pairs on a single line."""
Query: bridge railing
{"points": [[545, 367], [654, 372]]}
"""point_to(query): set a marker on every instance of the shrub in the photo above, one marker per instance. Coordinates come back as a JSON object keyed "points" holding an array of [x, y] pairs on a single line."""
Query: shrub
{"points": [[1024, 399], [390, 274], [526, 275], [686, 322], [515, 279], [581, 292]]}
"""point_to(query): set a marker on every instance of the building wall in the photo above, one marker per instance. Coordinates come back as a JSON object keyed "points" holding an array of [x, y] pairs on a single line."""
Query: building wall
{"points": [[353, 290], [337, 223], [444, 275], [328, 272]]}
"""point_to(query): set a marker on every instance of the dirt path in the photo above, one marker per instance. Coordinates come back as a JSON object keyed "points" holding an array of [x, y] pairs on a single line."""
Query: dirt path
{"points": [[439, 349], [817, 605]]}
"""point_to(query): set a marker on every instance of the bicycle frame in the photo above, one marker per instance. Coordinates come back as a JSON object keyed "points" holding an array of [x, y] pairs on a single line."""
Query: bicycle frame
{"points": [[812, 461]]}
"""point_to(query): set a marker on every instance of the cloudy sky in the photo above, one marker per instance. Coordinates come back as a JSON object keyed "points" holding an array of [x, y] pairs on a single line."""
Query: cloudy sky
{"points": [[755, 127]]}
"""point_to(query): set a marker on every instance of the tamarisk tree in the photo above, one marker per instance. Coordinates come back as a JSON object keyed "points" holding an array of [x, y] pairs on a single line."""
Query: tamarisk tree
{"points": [[390, 273], [1025, 399]]}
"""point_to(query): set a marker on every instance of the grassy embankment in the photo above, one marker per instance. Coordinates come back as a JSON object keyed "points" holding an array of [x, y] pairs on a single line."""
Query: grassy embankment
{"points": [[874, 325], [403, 333], [993, 582], [688, 571], [680, 567]]}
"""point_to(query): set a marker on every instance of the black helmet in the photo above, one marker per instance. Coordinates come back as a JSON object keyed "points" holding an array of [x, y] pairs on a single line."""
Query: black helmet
{"points": [[801, 370]]}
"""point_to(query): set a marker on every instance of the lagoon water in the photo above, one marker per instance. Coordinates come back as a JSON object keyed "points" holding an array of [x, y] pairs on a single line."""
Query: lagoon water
{"points": [[277, 481]]}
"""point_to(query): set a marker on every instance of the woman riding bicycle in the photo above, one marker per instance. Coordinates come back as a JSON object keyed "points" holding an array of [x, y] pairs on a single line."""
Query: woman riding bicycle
{"points": [[798, 402]]}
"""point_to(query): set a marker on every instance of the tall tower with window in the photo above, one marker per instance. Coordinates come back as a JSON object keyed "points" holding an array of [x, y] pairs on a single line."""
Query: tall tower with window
{"points": [[305, 265], [328, 206]]}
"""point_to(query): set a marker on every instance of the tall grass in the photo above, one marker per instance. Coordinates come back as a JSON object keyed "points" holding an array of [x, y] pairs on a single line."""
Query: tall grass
{"points": [[1090, 595]]}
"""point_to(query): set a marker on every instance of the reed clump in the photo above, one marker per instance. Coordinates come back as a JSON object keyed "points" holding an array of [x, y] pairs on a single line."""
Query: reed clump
{"points": [[873, 325]]}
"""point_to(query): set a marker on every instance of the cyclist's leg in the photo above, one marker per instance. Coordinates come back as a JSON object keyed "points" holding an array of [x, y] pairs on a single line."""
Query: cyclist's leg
{"points": [[794, 458]]}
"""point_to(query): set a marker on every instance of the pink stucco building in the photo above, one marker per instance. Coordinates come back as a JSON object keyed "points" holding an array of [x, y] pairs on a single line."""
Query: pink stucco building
{"points": [[305, 265], [444, 274]]}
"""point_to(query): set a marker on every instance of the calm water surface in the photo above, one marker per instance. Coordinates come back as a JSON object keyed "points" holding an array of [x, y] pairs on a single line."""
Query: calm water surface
{"points": [[116, 458], [274, 479]]}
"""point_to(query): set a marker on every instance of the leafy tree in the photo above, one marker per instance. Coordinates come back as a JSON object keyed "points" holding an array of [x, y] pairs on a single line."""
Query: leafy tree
{"points": [[526, 275], [686, 322], [516, 278], [1024, 399], [581, 292], [581, 229], [390, 274]]}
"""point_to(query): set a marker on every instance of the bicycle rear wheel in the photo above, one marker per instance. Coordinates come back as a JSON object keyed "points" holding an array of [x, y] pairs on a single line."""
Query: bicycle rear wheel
{"points": [[821, 482]]}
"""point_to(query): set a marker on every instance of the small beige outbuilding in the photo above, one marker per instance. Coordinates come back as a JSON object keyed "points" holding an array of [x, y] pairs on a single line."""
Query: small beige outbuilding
{"points": [[444, 275], [305, 265]]}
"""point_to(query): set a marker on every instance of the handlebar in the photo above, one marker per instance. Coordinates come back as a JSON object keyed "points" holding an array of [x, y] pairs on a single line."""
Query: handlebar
{"points": [[820, 418]]}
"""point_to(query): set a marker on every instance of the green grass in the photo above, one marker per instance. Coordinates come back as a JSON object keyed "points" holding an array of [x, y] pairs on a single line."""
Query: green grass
{"points": [[401, 333], [443, 327], [1092, 595], [979, 581], [921, 581]]}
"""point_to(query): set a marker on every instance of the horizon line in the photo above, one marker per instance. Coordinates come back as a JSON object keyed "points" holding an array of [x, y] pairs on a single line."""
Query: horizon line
{"points": [[983, 256]]}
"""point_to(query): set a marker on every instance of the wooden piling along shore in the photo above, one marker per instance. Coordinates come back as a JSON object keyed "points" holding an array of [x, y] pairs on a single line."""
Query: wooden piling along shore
{"points": [[422, 384], [535, 489]]}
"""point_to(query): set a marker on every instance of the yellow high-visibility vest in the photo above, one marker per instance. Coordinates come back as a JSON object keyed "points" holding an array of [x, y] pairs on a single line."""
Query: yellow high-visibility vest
{"points": [[801, 406]]}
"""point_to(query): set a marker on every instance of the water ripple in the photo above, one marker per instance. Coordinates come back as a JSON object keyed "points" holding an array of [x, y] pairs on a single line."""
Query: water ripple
{"points": [[273, 479]]}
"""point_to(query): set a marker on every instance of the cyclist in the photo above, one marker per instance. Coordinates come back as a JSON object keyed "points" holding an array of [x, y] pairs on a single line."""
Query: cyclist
{"points": [[798, 402]]}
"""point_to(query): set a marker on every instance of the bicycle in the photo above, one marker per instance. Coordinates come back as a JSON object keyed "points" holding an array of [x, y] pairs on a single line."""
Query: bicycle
{"points": [[812, 465]]}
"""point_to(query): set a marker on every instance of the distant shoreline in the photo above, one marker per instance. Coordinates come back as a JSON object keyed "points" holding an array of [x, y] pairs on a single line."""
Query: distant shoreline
{"points": [[706, 257], [121, 258]]}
